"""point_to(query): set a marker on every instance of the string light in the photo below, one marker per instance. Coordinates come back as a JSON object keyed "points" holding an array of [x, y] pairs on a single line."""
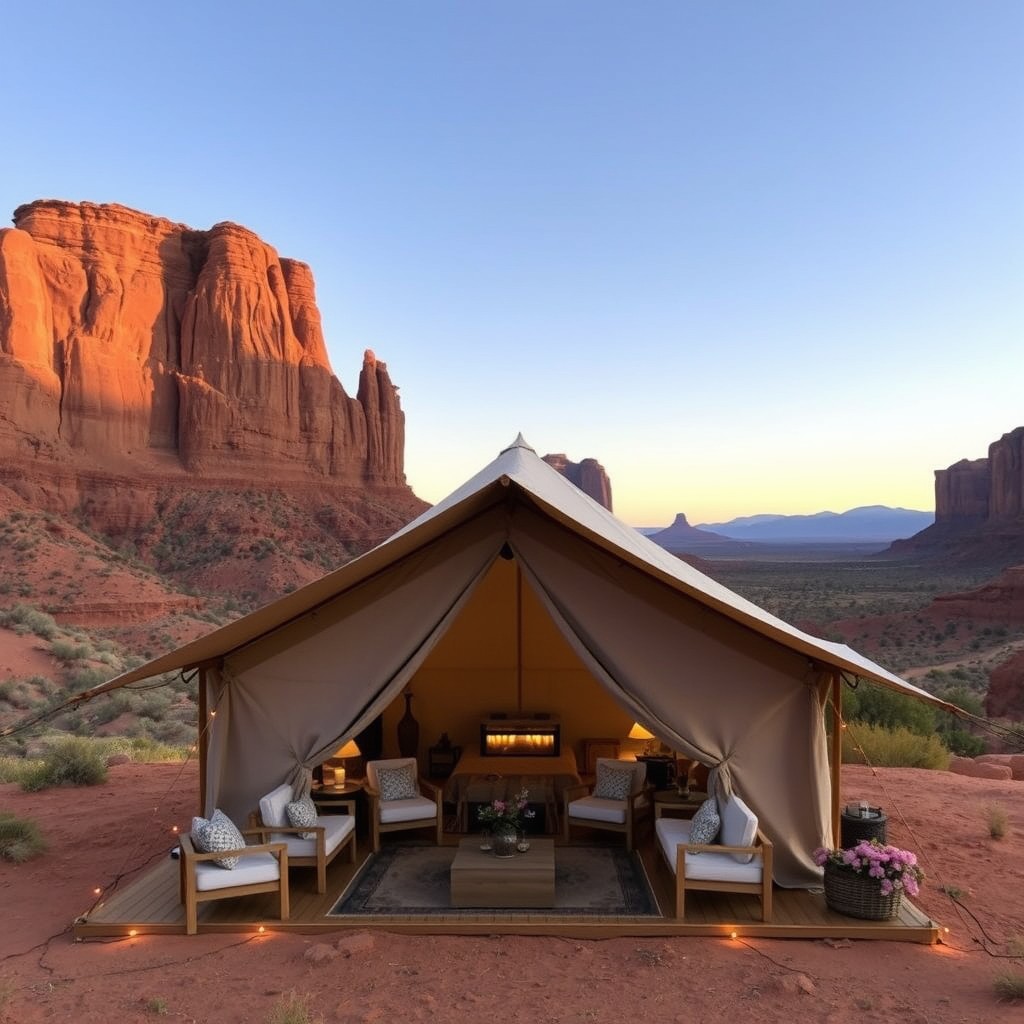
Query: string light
{"points": [[733, 935], [174, 829], [261, 929], [97, 891], [132, 933]]}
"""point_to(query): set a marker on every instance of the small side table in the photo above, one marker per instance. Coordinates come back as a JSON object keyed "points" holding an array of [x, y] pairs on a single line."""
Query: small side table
{"points": [[329, 799], [670, 802]]}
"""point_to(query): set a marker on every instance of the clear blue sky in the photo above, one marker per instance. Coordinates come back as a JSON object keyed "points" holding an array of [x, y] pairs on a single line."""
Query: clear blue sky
{"points": [[752, 256]]}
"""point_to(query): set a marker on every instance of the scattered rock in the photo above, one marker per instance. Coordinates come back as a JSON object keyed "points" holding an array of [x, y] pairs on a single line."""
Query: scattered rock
{"points": [[320, 954], [356, 942]]}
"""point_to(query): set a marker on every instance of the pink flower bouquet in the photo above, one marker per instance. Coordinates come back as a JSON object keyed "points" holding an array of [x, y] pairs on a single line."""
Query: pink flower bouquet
{"points": [[894, 868]]}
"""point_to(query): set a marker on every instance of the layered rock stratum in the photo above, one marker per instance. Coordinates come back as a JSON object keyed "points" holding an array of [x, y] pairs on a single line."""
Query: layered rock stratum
{"points": [[157, 383], [125, 337]]}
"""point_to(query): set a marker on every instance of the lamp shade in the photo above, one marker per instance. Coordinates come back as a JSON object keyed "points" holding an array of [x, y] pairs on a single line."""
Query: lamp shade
{"points": [[638, 732], [348, 750]]}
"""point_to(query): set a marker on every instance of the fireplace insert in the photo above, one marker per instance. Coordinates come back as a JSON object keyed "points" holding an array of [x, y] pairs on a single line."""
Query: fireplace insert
{"points": [[520, 737]]}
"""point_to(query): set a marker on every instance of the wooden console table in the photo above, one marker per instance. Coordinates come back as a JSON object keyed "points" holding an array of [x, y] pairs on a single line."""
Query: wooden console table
{"points": [[479, 879]]}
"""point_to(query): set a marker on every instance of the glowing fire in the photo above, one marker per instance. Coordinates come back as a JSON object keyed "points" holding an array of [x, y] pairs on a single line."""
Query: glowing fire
{"points": [[519, 742]]}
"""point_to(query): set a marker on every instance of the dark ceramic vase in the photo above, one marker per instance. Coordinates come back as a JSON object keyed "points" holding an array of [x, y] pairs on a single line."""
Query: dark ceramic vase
{"points": [[408, 731]]}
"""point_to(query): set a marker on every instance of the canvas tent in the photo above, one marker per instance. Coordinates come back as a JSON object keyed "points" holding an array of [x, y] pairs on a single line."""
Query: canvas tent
{"points": [[711, 674]]}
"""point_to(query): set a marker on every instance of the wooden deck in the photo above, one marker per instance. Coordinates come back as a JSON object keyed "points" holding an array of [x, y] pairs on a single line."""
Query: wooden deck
{"points": [[151, 906]]}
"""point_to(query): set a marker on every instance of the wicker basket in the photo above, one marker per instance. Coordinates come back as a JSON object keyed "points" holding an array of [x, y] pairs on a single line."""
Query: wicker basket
{"points": [[859, 896]]}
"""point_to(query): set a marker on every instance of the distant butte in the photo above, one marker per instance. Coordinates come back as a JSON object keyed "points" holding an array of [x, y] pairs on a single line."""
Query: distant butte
{"points": [[589, 476], [979, 509]]}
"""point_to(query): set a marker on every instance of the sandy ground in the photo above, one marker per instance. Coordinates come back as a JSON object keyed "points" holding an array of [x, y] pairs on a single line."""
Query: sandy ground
{"points": [[361, 977]]}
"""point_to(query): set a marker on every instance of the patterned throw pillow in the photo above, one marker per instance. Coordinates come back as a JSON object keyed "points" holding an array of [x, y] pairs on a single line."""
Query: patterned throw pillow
{"points": [[302, 814], [705, 825], [397, 783], [219, 833], [613, 782]]}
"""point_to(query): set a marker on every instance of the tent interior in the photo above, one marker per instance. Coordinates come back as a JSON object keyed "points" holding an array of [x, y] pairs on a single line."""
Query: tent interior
{"points": [[503, 653]]}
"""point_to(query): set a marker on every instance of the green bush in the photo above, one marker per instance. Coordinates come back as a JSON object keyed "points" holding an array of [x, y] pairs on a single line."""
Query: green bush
{"points": [[15, 769], [893, 748], [1010, 987], [30, 619], [20, 840], [878, 705], [71, 762], [65, 650]]}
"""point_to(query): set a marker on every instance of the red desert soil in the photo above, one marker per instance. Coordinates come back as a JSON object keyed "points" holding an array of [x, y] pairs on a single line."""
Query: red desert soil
{"points": [[94, 833]]}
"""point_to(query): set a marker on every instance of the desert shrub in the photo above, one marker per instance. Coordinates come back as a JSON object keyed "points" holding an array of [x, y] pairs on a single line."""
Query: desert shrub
{"points": [[20, 840], [30, 620], [14, 769], [1009, 987], [75, 761], [880, 706], [996, 818], [67, 650], [292, 1009], [893, 748]]}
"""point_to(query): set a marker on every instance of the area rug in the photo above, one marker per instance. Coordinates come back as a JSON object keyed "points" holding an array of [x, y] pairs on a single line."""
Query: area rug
{"points": [[415, 880]]}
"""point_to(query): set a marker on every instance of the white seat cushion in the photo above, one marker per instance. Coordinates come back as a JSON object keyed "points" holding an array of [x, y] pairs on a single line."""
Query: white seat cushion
{"points": [[708, 867], [597, 808], [739, 827], [251, 869], [336, 828], [274, 806], [721, 867], [407, 810]]}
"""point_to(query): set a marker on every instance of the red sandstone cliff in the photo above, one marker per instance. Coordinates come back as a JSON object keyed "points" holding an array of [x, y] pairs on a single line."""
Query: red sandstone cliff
{"points": [[589, 476], [979, 508], [126, 338], [170, 389]]}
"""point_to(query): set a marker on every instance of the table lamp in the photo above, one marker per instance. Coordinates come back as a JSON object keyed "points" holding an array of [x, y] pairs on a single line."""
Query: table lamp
{"points": [[343, 753], [638, 732]]}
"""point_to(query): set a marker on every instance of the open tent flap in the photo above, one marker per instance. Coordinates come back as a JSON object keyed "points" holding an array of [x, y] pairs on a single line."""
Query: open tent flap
{"points": [[287, 702], [704, 684]]}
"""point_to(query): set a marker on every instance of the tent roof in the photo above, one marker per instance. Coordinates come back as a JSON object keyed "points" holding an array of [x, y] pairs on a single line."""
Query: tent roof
{"points": [[519, 471]]}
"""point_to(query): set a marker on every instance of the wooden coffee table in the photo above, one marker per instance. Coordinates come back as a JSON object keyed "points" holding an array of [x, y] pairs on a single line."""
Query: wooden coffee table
{"points": [[479, 879]]}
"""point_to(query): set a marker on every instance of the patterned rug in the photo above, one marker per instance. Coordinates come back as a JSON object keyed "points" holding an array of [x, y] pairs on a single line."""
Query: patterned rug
{"points": [[415, 880]]}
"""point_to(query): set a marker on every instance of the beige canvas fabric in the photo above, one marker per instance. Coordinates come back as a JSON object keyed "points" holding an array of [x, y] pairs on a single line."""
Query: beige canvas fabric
{"points": [[713, 675]]}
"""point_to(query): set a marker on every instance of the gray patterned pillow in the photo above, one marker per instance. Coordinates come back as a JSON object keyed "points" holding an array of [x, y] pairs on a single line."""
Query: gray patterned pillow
{"points": [[397, 783], [301, 814], [613, 782], [705, 825], [219, 833]]}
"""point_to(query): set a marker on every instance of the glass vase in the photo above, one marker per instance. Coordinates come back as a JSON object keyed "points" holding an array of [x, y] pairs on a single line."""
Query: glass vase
{"points": [[522, 840]]}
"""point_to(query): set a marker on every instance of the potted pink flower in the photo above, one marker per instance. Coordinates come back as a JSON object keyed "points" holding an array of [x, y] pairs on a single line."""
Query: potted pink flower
{"points": [[868, 880]]}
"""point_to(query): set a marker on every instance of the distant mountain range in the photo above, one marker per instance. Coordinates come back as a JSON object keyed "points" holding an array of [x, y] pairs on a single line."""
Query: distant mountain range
{"points": [[870, 524], [867, 524]]}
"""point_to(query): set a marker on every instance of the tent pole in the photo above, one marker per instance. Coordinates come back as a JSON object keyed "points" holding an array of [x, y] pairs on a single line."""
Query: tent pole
{"points": [[204, 742], [836, 752], [519, 639]]}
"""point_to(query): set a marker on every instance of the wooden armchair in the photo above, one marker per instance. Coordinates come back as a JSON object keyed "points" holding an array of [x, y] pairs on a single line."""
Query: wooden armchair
{"points": [[263, 868], [740, 862], [331, 834], [400, 799], [585, 805]]}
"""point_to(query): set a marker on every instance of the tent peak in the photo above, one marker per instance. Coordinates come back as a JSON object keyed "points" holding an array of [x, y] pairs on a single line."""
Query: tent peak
{"points": [[519, 442]]}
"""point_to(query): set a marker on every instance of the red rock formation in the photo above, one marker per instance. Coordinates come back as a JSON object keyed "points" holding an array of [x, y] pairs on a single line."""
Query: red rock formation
{"points": [[989, 489], [589, 476], [1005, 697], [979, 509], [1000, 600], [126, 337]]}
